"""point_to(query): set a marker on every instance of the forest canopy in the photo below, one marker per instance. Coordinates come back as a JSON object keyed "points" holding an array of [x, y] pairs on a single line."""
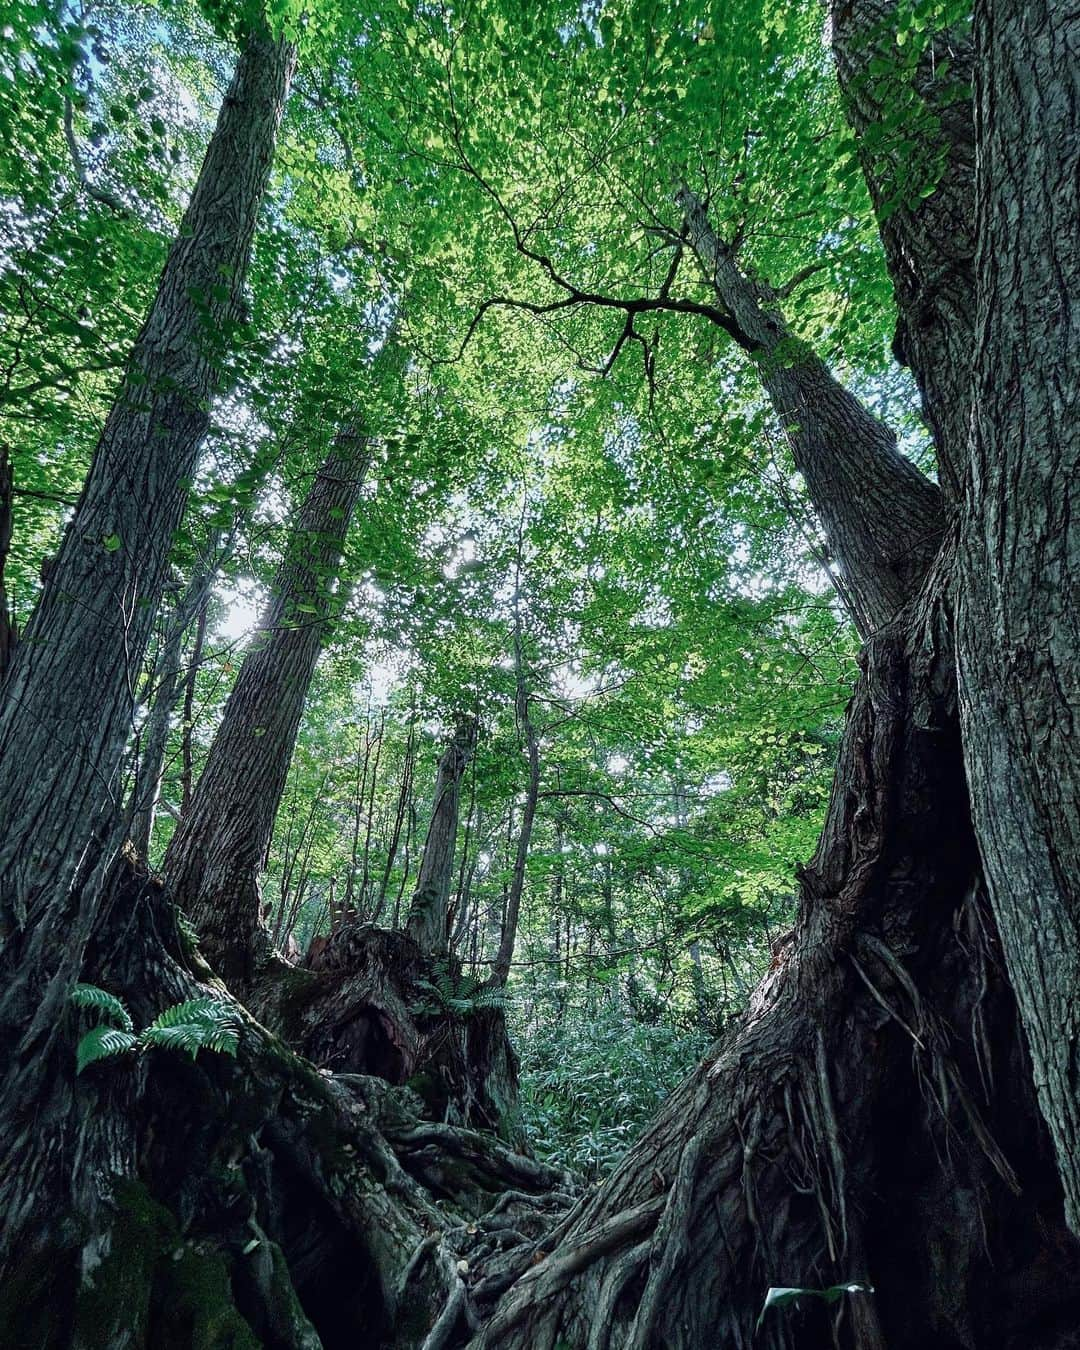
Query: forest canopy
{"points": [[538, 572]]}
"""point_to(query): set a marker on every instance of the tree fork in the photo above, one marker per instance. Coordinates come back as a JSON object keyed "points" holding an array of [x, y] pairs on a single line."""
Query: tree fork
{"points": [[883, 518]]}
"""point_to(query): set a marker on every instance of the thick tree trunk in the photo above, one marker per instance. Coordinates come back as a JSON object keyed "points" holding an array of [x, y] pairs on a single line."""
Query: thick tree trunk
{"points": [[911, 113], [882, 517], [219, 850], [238, 1202], [374, 1004], [428, 913], [70, 693], [1019, 604]]}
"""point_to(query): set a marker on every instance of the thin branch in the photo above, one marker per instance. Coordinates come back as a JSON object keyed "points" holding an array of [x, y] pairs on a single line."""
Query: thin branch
{"points": [[100, 195]]}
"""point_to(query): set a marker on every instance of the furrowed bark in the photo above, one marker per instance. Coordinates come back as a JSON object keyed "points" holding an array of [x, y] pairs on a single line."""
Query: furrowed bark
{"points": [[911, 112], [883, 518], [219, 850], [872, 1118], [242, 1202], [1019, 603], [70, 693], [428, 913]]}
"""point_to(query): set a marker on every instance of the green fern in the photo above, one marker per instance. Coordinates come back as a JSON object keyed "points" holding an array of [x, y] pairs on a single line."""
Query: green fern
{"points": [[90, 996], [462, 996], [198, 1024], [103, 1042]]}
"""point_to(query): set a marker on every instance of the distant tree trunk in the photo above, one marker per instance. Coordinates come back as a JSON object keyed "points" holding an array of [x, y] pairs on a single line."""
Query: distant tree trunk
{"points": [[427, 921], [187, 725], [9, 634], [400, 811], [220, 847], [154, 736], [504, 956]]}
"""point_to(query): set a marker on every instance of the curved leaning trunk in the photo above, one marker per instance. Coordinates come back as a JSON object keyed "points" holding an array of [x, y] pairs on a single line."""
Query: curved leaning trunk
{"points": [[219, 850], [882, 517]]}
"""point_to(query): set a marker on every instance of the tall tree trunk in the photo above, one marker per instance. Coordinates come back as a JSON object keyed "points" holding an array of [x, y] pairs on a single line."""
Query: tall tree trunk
{"points": [[187, 724], [500, 970], [220, 847], [504, 956], [403, 798], [9, 634], [154, 736], [71, 689], [882, 517], [1019, 591], [70, 693], [911, 113], [427, 921]]}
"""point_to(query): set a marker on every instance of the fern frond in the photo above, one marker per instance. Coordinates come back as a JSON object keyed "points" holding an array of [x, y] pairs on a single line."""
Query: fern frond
{"points": [[198, 1024], [90, 996], [102, 1042]]}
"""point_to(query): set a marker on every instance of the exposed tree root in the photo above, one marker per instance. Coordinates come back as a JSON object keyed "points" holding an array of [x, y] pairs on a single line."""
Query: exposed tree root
{"points": [[871, 1119], [276, 1203], [855, 1127]]}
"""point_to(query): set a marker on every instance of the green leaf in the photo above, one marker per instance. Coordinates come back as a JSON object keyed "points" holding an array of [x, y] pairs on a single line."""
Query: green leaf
{"points": [[102, 1043], [111, 543], [198, 1024], [90, 996], [783, 1297]]}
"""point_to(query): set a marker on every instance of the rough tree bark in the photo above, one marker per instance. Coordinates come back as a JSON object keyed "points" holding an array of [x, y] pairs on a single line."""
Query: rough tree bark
{"points": [[1019, 587], [875, 1115], [899, 96], [882, 517], [215, 858], [69, 695], [427, 921], [70, 691]]}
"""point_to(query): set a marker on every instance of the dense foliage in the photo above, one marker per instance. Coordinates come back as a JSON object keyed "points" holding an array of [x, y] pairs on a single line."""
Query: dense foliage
{"points": [[576, 510]]}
